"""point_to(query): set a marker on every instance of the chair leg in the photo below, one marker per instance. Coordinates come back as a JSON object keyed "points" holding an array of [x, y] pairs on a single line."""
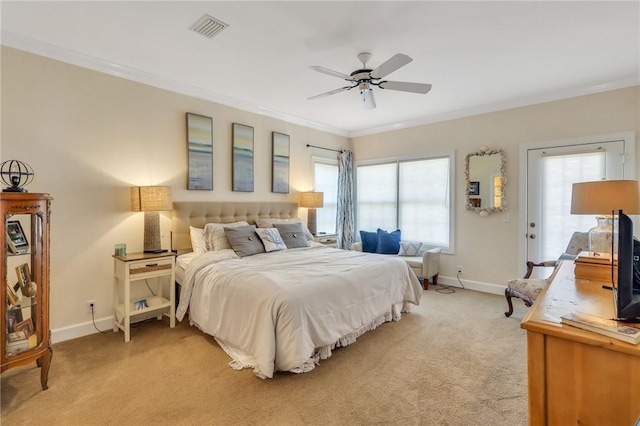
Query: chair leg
{"points": [[425, 283], [508, 295], [435, 279]]}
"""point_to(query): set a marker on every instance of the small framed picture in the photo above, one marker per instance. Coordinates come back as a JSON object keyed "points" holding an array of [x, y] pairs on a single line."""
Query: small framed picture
{"points": [[474, 188], [12, 296], [14, 316], [26, 326], [16, 239], [24, 276]]}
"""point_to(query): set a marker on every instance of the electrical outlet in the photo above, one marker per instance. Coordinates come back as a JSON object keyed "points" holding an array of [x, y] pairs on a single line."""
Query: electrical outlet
{"points": [[91, 306], [459, 269]]}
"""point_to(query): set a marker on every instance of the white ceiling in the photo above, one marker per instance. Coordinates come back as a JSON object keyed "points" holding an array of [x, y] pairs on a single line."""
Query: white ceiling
{"points": [[479, 56]]}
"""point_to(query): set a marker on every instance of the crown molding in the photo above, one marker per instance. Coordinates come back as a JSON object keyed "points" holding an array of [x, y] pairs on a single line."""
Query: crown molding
{"points": [[51, 51], [557, 95], [41, 48]]}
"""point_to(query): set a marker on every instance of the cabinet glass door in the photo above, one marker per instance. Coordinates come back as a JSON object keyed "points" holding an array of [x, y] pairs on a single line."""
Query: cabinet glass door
{"points": [[23, 275]]}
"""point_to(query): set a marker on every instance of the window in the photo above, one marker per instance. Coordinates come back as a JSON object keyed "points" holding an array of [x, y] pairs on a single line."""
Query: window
{"points": [[412, 195], [325, 173]]}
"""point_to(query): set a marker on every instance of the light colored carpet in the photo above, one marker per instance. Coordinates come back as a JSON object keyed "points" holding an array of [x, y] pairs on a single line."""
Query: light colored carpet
{"points": [[455, 360]]}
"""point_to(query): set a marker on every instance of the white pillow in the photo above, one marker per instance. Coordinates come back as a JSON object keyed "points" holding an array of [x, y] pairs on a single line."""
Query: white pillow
{"points": [[409, 248], [214, 236], [197, 240], [268, 223], [271, 239]]}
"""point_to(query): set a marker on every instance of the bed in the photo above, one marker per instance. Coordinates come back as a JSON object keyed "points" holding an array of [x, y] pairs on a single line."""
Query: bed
{"points": [[283, 310]]}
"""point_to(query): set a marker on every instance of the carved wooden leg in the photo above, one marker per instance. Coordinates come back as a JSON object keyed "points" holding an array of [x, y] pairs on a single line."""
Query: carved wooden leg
{"points": [[507, 295], [45, 362]]}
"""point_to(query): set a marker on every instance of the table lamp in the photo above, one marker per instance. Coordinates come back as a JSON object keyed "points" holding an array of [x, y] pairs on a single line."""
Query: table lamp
{"points": [[603, 198], [151, 200], [312, 201]]}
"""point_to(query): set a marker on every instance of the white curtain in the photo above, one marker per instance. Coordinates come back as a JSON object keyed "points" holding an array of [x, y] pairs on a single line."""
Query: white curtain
{"points": [[345, 220]]}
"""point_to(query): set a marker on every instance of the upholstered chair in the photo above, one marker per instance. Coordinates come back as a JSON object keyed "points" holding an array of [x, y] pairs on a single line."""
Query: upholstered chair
{"points": [[527, 288]]}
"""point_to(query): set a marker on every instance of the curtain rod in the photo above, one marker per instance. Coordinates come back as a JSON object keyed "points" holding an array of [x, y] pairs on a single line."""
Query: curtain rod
{"points": [[328, 149]]}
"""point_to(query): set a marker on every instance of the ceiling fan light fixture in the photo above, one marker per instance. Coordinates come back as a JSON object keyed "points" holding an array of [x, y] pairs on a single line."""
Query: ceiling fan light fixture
{"points": [[368, 102]]}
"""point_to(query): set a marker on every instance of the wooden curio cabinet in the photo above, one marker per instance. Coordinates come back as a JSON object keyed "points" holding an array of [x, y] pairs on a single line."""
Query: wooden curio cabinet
{"points": [[24, 322]]}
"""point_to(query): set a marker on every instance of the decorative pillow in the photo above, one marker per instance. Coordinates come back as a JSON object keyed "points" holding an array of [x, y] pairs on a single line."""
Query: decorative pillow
{"points": [[269, 223], [369, 241], [197, 240], [214, 236], [271, 239], [409, 248], [388, 242], [293, 234], [244, 240]]}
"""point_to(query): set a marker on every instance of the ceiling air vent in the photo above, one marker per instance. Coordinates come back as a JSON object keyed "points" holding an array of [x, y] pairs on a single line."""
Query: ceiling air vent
{"points": [[208, 26]]}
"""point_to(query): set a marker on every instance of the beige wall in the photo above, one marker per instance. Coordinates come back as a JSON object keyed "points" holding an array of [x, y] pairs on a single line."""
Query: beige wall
{"points": [[488, 248], [90, 136]]}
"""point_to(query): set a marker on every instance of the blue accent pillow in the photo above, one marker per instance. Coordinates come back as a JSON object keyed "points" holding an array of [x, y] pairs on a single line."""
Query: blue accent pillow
{"points": [[388, 242], [369, 241]]}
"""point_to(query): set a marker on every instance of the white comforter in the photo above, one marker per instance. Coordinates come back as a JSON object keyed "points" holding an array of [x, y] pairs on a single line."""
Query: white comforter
{"points": [[286, 310]]}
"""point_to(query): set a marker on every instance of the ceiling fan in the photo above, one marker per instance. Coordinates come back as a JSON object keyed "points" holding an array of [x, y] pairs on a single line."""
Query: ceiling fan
{"points": [[365, 79]]}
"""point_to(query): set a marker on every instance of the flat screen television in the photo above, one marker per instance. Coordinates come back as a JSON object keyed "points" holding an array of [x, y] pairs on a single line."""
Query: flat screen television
{"points": [[627, 304]]}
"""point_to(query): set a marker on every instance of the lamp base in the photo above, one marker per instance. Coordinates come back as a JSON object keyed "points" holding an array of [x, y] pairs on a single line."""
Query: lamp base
{"points": [[152, 243], [156, 251], [311, 221]]}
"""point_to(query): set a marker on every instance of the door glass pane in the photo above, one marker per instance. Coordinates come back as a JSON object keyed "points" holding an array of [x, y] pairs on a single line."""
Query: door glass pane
{"points": [[558, 174]]}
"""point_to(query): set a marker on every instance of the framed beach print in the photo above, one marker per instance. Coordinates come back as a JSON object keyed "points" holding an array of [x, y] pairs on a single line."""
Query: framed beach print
{"points": [[242, 158], [280, 164], [200, 152]]}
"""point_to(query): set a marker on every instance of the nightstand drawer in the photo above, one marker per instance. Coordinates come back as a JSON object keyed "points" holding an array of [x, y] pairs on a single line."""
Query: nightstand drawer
{"points": [[150, 266]]}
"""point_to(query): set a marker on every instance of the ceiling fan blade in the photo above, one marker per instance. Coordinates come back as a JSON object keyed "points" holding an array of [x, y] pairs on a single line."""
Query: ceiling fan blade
{"points": [[333, 92], [403, 86], [397, 61], [332, 73]]}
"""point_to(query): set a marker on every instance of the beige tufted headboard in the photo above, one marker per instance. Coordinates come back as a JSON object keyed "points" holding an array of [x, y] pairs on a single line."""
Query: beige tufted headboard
{"points": [[198, 214]]}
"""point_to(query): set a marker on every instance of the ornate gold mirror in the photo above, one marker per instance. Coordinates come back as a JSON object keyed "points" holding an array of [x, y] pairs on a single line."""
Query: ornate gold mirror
{"points": [[485, 181]]}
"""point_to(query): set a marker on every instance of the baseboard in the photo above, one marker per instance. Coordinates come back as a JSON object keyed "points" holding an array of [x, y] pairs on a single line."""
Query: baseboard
{"points": [[472, 285], [106, 324], [83, 329]]}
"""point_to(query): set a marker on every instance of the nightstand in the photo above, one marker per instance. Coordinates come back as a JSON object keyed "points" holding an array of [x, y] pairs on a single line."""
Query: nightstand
{"points": [[330, 240], [137, 268]]}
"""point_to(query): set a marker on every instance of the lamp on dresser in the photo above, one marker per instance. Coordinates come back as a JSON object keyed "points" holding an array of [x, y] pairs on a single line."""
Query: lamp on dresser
{"points": [[603, 198], [311, 200], [151, 200]]}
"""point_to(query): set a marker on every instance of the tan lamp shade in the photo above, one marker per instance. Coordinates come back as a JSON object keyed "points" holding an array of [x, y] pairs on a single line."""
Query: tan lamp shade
{"points": [[151, 200], [312, 200], [605, 196]]}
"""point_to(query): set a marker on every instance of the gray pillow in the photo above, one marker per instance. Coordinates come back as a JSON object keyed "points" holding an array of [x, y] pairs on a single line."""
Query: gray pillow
{"points": [[244, 240], [292, 234]]}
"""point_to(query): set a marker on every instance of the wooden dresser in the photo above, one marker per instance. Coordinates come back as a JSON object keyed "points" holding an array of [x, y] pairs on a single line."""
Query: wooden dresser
{"points": [[575, 376]]}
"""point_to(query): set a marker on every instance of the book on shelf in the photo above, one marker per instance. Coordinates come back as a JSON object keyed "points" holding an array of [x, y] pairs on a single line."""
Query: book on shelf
{"points": [[605, 326]]}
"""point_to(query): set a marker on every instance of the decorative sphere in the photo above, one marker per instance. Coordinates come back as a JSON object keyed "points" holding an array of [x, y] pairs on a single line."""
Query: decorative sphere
{"points": [[15, 174]]}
